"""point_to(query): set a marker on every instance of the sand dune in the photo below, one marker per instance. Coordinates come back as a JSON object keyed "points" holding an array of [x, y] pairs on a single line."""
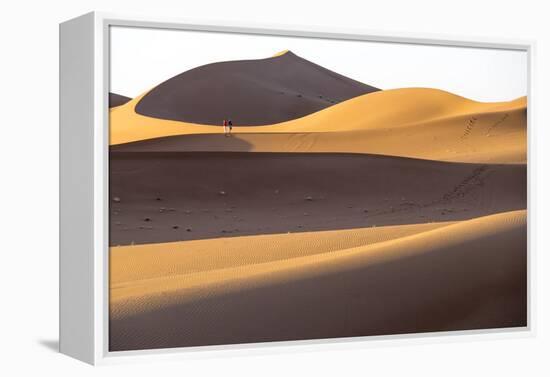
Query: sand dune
{"points": [[181, 196], [149, 261], [117, 100], [494, 137], [467, 275], [458, 123], [250, 92], [333, 210]]}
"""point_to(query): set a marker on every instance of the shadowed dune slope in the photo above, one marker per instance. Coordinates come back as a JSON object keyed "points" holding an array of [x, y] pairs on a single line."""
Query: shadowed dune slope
{"points": [[117, 100], [164, 196], [250, 92], [380, 110], [466, 275]]}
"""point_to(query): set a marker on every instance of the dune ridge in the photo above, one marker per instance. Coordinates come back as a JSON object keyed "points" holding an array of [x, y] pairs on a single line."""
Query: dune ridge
{"points": [[494, 137], [486, 252], [144, 262], [373, 117]]}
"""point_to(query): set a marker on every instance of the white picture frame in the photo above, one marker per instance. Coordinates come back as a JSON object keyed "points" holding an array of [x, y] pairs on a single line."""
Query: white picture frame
{"points": [[84, 262]]}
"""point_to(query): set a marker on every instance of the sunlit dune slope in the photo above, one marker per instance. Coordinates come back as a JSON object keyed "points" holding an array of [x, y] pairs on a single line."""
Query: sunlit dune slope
{"points": [[413, 122], [492, 137], [464, 275], [139, 262]]}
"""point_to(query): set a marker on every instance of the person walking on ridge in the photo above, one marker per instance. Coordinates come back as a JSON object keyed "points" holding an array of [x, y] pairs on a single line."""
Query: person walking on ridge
{"points": [[225, 127]]}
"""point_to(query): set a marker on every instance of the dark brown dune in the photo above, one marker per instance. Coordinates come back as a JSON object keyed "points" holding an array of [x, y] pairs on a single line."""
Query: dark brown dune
{"points": [[250, 92], [117, 100], [172, 196]]}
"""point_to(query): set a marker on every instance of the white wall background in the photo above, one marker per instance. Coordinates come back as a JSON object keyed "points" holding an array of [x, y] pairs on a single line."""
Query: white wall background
{"points": [[142, 58], [29, 186]]}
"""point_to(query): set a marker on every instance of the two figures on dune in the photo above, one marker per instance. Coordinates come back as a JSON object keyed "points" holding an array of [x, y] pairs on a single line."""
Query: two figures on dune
{"points": [[227, 127]]}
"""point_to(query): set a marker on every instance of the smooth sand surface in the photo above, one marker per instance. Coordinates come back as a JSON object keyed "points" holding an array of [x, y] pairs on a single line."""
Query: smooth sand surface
{"points": [[173, 196], [249, 92], [465, 275], [426, 123]]}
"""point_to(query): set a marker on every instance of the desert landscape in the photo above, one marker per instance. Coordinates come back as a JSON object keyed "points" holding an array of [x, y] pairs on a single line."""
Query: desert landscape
{"points": [[332, 209]]}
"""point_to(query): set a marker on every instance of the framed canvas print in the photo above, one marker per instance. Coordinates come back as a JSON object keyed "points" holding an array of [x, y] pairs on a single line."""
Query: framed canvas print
{"points": [[225, 187]]}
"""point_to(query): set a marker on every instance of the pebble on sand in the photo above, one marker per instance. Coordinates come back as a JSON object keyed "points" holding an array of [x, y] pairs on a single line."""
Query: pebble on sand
{"points": [[116, 199], [309, 198]]}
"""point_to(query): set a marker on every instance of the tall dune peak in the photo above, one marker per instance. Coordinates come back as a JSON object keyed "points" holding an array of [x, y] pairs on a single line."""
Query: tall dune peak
{"points": [[281, 53], [250, 92]]}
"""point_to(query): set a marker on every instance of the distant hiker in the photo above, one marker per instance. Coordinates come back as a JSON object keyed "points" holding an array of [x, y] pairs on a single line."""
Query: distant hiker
{"points": [[230, 124], [225, 127]]}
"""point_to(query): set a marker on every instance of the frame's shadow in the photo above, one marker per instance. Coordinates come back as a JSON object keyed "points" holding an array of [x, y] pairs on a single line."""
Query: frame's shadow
{"points": [[51, 344]]}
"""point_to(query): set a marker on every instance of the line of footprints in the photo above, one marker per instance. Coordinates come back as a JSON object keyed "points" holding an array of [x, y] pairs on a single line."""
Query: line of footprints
{"points": [[471, 123]]}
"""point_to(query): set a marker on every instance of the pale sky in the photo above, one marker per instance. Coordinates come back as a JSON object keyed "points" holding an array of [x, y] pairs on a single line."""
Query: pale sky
{"points": [[142, 58]]}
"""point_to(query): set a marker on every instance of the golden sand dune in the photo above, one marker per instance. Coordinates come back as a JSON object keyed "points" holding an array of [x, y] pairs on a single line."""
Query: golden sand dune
{"points": [[140, 262], [492, 137], [470, 274], [394, 122]]}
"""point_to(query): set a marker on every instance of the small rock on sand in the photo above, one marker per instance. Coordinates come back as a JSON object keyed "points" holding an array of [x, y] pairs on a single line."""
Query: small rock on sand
{"points": [[308, 198], [222, 193], [116, 199]]}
